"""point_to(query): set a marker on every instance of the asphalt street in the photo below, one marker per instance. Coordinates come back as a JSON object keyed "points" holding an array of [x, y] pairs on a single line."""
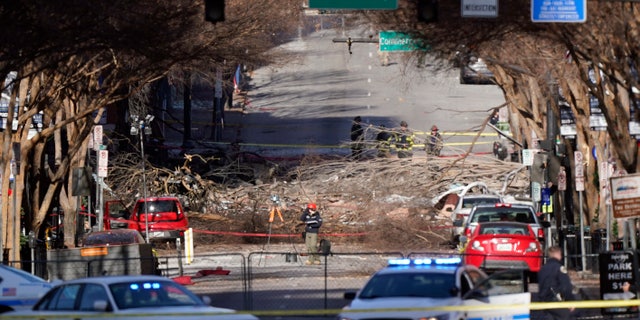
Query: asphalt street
{"points": [[306, 106]]}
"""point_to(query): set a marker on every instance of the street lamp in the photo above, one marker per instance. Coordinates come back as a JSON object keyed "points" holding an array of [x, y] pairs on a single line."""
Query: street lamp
{"points": [[140, 127]]}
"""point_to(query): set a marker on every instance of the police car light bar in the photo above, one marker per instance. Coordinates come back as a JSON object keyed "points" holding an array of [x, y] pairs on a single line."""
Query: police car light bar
{"points": [[425, 262]]}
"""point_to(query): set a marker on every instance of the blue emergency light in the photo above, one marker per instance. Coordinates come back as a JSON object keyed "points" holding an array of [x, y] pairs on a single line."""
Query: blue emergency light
{"points": [[425, 262]]}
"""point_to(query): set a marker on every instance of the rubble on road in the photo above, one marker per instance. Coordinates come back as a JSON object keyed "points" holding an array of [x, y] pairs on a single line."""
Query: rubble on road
{"points": [[389, 199]]}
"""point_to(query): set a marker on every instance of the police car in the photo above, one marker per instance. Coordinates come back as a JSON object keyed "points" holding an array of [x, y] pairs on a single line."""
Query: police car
{"points": [[438, 289], [20, 290]]}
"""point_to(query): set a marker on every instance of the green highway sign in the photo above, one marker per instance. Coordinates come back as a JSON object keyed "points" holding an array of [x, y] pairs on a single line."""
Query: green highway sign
{"points": [[354, 4], [400, 41]]}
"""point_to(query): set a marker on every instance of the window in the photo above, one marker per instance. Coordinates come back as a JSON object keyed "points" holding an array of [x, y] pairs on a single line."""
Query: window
{"points": [[151, 294], [418, 284], [61, 298], [91, 294]]}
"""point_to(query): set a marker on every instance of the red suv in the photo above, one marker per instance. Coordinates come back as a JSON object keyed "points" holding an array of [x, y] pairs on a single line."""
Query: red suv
{"points": [[164, 216]]}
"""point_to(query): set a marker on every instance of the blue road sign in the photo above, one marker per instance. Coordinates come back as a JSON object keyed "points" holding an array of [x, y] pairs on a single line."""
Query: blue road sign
{"points": [[558, 10]]}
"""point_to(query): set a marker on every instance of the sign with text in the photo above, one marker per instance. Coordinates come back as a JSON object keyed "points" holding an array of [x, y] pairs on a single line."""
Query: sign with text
{"points": [[399, 41], [103, 163], [625, 196], [562, 179], [354, 4], [527, 156], [618, 272], [558, 10], [479, 8]]}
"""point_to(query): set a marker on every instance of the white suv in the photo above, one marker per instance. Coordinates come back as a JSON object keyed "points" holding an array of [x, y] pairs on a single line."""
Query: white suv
{"points": [[504, 212]]}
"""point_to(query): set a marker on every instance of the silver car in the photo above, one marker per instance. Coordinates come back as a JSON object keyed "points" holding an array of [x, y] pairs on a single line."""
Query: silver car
{"points": [[126, 297], [474, 70]]}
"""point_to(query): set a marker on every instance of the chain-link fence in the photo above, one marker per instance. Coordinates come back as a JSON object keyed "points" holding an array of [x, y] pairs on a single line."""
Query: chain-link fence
{"points": [[271, 284]]}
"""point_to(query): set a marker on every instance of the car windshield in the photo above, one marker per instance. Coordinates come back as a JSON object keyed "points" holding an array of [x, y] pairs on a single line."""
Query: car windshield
{"points": [[471, 202], [418, 284], [503, 214], [158, 206], [504, 229], [151, 294]]}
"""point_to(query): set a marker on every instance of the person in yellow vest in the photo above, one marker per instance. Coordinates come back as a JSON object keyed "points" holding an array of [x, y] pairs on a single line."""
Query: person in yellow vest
{"points": [[404, 141]]}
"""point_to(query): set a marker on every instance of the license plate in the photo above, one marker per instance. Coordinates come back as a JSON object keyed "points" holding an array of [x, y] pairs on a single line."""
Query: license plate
{"points": [[504, 247]]}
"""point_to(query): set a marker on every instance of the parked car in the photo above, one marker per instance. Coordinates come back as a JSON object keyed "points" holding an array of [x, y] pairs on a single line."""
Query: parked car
{"points": [[115, 237], [474, 70], [126, 297], [463, 208], [20, 289], [436, 282], [504, 245], [504, 212], [118, 237], [164, 216], [116, 215]]}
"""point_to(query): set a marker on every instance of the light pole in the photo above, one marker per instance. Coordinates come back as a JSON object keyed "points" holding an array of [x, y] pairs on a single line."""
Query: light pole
{"points": [[140, 127]]}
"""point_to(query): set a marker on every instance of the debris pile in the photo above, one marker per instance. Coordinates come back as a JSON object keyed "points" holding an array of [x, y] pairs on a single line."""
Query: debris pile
{"points": [[391, 200]]}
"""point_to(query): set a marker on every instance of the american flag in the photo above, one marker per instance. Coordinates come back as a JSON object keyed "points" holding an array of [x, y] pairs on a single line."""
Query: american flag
{"points": [[9, 292]]}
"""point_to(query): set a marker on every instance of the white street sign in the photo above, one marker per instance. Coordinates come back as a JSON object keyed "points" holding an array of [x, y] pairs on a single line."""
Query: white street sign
{"points": [[480, 8], [562, 179], [579, 183], [579, 162], [103, 163], [97, 137], [527, 157]]}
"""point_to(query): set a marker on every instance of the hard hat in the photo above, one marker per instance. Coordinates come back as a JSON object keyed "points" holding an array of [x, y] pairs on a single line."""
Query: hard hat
{"points": [[403, 124], [434, 128], [312, 206]]}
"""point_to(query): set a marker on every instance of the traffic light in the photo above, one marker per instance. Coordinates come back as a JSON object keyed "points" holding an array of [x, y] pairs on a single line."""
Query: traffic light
{"points": [[428, 10], [214, 10]]}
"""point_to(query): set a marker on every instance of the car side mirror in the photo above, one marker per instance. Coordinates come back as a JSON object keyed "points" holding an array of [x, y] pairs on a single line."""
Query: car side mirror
{"points": [[457, 223], [350, 295], [546, 224]]}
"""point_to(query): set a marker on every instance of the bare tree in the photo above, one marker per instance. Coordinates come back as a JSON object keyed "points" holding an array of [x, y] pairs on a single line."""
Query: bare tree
{"points": [[74, 58]]}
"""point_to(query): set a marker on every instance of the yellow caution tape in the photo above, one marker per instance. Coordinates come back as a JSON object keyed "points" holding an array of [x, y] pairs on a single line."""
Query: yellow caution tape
{"points": [[532, 306]]}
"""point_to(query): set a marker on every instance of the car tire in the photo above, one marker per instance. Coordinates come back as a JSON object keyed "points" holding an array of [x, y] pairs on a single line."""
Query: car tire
{"points": [[463, 80]]}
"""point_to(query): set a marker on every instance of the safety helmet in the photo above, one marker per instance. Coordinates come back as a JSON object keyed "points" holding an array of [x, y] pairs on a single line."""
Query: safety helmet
{"points": [[434, 128], [312, 206], [403, 124]]}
